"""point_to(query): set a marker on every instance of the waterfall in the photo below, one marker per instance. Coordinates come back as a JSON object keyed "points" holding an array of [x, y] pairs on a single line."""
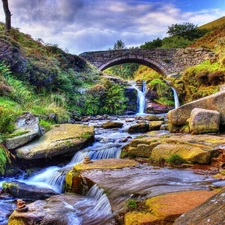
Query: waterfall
{"points": [[95, 208], [108, 151], [141, 97], [102, 202], [176, 99], [54, 177]]}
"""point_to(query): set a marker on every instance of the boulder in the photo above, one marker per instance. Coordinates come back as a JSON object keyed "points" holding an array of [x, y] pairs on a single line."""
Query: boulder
{"points": [[210, 212], [25, 191], [112, 124], [216, 101], [204, 121], [138, 128], [190, 153], [163, 211], [64, 209], [155, 125], [194, 149], [61, 139], [153, 107], [131, 106], [80, 185], [27, 128]]}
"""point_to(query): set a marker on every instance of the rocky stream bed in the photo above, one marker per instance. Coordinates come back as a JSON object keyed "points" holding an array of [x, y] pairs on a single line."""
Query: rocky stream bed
{"points": [[140, 188]]}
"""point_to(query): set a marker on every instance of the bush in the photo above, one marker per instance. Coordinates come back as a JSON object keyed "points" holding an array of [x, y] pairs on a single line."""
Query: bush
{"points": [[7, 119], [175, 160]]}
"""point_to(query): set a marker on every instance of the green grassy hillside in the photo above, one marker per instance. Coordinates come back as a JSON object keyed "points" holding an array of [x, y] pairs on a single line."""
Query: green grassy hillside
{"points": [[214, 24]]}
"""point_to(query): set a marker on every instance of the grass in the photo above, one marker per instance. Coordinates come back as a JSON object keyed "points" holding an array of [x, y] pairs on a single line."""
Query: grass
{"points": [[175, 160], [214, 24], [46, 124]]}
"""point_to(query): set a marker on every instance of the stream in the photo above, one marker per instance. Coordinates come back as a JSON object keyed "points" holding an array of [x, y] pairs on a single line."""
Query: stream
{"points": [[96, 207], [143, 180]]}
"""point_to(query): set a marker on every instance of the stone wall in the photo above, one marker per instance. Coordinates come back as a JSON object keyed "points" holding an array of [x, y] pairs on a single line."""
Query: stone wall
{"points": [[164, 61]]}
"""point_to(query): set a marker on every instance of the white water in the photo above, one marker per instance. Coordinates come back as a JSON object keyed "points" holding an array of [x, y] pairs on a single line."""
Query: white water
{"points": [[54, 177], [176, 99], [141, 97]]}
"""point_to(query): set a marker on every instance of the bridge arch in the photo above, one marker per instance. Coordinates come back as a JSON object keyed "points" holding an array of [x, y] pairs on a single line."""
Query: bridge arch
{"points": [[164, 61], [133, 59]]}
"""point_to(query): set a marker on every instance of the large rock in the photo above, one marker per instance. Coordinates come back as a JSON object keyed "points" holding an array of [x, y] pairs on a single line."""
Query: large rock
{"points": [[61, 139], [163, 211], [28, 192], [75, 182], [27, 128], [190, 153], [112, 124], [209, 213], [138, 128], [65, 209], [216, 101], [153, 107], [204, 121], [194, 149], [131, 105]]}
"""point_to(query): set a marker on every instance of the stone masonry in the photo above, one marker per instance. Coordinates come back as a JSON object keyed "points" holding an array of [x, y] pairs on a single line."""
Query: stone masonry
{"points": [[164, 61]]}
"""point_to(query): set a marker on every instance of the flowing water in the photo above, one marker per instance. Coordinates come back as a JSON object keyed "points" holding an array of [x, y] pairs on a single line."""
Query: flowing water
{"points": [[143, 180], [176, 99], [141, 97]]}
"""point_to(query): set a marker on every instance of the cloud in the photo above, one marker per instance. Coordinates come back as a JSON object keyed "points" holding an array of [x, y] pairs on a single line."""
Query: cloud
{"points": [[86, 25]]}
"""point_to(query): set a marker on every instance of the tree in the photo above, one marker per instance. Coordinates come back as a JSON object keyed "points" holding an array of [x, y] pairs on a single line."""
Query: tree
{"points": [[175, 42], [119, 45], [157, 43], [187, 31], [7, 16]]}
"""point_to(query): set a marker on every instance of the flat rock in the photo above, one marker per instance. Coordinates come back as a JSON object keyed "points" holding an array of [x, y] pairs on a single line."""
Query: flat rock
{"points": [[210, 212], [138, 128], [195, 149], [112, 124], [163, 211], [28, 192], [27, 129], [61, 139], [80, 185], [63, 209]]}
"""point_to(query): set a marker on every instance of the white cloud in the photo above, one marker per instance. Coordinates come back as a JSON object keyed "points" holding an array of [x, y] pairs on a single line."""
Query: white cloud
{"points": [[86, 25]]}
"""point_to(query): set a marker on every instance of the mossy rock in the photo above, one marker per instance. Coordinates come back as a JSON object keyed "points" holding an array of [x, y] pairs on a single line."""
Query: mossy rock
{"points": [[61, 139], [79, 184], [166, 208], [112, 124], [189, 153]]}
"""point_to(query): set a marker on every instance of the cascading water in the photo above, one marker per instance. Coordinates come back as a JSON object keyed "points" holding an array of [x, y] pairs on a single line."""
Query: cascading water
{"points": [[176, 99], [54, 177], [141, 97]]}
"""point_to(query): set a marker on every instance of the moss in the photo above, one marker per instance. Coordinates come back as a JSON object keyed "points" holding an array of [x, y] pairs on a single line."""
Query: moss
{"points": [[175, 160], [3, 161], [16, 221], [105, 164], [18, 133]]}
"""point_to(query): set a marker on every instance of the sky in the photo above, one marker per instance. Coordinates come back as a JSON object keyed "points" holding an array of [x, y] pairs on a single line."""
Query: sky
{"points": [[93, 25]]}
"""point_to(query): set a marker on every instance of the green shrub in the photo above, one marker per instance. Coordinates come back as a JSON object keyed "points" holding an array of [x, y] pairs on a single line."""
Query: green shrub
{"points": [[3, 160], [175, 160], [46, 124], [7, 120], [131, 204]]}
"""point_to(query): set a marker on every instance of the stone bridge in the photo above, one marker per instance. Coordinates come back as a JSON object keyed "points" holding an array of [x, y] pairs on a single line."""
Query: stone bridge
{"points": [[164, 61]]}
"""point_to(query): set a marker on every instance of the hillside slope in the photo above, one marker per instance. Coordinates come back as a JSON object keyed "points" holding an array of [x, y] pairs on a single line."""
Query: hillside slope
{"points": [[214, 24]]}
